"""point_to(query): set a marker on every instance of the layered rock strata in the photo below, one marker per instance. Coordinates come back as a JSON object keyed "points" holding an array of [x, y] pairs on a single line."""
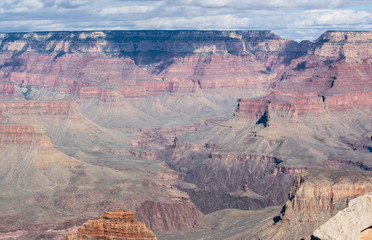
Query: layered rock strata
{"points": [[119, 224], [317, 197], [330, 77], [155, 62]]}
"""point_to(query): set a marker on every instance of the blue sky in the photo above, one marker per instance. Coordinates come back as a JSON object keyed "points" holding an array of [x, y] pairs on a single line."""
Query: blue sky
{"points": [[293, 19]]}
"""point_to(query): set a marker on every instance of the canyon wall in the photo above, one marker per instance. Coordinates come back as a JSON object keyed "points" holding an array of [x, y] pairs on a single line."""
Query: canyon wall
{"points": [[320, 195], [140, 63]]}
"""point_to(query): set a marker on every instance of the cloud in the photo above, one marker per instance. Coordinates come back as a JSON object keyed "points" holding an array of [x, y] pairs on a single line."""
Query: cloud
{"points": [[334, 17], [126, 10], [295, 19], [254, 4], [202, 23], [20, 6]]}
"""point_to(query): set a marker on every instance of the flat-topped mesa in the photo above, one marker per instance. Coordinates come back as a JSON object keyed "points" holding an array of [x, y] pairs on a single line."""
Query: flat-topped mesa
{"points": [[131, 41], [350, 45], [345, 36], [140, 45], [116, 225]]}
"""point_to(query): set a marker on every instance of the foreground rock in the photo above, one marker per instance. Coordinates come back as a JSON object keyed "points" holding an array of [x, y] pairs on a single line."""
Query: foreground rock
{"points": [[315, 198], [119, 224], [354, 222]]}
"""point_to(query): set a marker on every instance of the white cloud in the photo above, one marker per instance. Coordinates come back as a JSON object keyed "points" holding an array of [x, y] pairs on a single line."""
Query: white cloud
{"points": [[126, 10], [314, 18], [201, 23], [37, 25], [296, 19], [254, 4], [20, 6], [214, 3]]}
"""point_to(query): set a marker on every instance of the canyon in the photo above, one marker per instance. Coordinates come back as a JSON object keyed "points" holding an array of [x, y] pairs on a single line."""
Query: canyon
{"points": [[201, 134]]}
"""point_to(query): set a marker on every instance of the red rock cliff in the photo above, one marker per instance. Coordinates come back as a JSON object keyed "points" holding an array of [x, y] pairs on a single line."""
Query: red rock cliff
{"points": [[334, 75], [155, 61]]}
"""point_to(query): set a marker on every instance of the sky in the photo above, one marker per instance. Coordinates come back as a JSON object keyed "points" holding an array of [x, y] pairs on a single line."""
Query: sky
{"points": [[291, 19]]}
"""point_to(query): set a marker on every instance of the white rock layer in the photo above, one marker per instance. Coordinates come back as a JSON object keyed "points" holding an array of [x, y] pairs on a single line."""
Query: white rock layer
{"points": [[348, 223]]}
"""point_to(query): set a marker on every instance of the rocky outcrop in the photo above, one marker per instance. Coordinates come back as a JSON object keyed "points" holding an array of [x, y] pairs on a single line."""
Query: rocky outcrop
{"points": [[353, 222], [279, 105], [119, 224], [315, 198]]}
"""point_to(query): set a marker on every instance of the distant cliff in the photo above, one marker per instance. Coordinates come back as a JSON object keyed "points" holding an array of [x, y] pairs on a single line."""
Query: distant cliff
{"points": [[105, 64]]}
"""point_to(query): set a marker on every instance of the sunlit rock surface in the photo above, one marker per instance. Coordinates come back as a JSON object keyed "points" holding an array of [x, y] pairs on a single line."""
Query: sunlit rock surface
{"points": [[353, 222]]}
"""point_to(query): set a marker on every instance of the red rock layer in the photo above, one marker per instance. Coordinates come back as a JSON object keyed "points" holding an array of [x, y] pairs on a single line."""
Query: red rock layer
{"points": [[118, 225], [346, 101], [151, 63], [61, 108], [252, 108], [335, 75], [18, 134], [280, 105]]}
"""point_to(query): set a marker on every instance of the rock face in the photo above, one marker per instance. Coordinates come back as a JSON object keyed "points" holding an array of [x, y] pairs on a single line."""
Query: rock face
{"points": [[353, 222], [155, 62], [316, 197], [119, 224], [324, 79]]}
